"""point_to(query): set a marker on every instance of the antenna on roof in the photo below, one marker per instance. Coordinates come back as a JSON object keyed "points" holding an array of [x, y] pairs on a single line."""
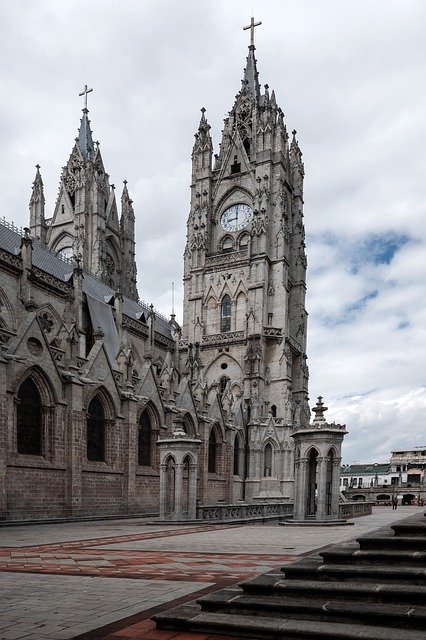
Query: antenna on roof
{"points": [[173, 298]]}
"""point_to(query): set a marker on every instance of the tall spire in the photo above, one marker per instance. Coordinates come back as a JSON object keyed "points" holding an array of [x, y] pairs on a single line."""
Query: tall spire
{"points": [[127, 229], [85, 141], [37, 201], [250, 72]]}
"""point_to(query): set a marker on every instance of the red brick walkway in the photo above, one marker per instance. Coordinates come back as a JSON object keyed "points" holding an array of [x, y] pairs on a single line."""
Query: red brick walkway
{"points": [[88, 558]]}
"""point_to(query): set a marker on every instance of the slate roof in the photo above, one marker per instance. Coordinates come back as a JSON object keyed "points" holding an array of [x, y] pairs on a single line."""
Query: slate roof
{"points": [[48, 261]]}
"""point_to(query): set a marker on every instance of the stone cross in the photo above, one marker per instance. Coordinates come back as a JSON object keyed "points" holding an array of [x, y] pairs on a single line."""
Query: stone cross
{"points": [[251, 26], [84, 93]]}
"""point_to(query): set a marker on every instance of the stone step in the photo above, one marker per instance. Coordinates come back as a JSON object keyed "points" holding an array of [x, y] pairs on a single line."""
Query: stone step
{"points": [[316, 608], [313, 568], [413, 543], [351, 554], [414, 528], [374, 591], [267, 627]]}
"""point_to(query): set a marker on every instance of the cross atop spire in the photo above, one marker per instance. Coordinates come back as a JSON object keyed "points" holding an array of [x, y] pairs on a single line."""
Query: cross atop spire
{"points": [[251, 26], [84, 93]]}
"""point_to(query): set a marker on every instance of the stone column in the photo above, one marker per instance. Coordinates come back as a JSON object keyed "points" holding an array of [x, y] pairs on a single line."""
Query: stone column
{"points": [[163, 491], [3, 436], [335, 488], [76, 426], [178, 490], [192, 492], [300, 495], [322, 486], [129, 426]]}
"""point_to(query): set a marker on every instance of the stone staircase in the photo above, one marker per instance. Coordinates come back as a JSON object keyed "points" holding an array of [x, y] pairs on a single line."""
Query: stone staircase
{"points": [[373, 588]]}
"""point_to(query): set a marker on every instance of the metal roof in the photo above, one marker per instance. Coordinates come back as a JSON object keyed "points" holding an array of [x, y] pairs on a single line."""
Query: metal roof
{"points": [[365, 469]]}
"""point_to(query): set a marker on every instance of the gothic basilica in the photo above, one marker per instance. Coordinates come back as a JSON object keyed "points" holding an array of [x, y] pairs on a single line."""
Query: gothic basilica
{"points": [[107, 407]]}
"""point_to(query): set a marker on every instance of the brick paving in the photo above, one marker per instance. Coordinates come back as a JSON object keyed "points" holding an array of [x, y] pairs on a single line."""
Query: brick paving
{"points": [[79, 581]]}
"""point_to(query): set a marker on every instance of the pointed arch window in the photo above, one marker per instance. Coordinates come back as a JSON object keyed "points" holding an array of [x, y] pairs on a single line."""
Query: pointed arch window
{"points": [[145, 440], [222, 384], [225, 314], [29, 419], [237, 455], [244, 240], [227, 244], [212, 460], [267, 461], [96, 431]]}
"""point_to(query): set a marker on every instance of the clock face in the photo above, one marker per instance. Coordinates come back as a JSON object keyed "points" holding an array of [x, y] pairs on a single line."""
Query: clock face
{"points": [[236, 217]]}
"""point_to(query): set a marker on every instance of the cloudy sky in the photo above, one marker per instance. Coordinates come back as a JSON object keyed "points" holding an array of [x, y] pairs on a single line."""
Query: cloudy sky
{"points": [[349, 76]]}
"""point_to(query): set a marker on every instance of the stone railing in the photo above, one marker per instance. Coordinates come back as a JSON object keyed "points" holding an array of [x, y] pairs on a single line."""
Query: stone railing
{"points": [[269, 511], [355, 509], [228, 336], [242, 511]]}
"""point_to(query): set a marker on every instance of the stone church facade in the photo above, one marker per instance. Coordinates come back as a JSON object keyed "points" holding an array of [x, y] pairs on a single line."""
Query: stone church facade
{"points": [[108, 408]]}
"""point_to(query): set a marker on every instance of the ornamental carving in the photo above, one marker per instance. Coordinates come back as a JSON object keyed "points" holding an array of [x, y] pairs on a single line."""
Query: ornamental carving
{"points": [[47, 322], [34, 346]]}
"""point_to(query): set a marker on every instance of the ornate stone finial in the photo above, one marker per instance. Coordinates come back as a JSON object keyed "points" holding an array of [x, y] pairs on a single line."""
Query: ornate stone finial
{"points": [[294, 132], [203, 110], [125, 182], [319, 410], [251, 26], [38, 167]]}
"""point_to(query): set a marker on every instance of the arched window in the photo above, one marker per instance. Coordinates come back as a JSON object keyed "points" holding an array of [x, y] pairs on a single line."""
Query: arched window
{"points": [[244, 240], [212, 461], [29, 419], [222, 384], [225, 314], [237, 456], [96, 431], [274, 410], [267, 461], [144, 440], [227, 244]]}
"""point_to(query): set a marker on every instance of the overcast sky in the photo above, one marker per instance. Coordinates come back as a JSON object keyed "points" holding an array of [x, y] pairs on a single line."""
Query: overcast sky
{"points": [[349, 76]]}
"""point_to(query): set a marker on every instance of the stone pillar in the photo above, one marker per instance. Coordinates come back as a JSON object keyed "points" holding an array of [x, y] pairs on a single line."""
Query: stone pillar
{"points": [[3, 435], [178, 513], [180, 448], [321, 513], [322, 442], [129, 426], [163, 491], [76, 426], [300, 495], [335, 488], [192, 494]]}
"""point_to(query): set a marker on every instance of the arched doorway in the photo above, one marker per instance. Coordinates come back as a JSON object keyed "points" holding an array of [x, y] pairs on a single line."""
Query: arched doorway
{"points": [[311, 505]]}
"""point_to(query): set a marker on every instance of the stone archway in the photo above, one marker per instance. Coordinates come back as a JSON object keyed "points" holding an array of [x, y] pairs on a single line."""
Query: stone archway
{"points": [[311, 503]]}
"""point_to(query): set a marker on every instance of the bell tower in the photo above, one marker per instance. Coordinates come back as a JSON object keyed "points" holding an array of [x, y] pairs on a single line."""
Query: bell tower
{"points": [[244, 278], [86, 222]]}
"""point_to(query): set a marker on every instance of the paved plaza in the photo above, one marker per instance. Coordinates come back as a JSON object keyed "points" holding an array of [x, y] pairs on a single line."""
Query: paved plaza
{"points": [[103, 580]]}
